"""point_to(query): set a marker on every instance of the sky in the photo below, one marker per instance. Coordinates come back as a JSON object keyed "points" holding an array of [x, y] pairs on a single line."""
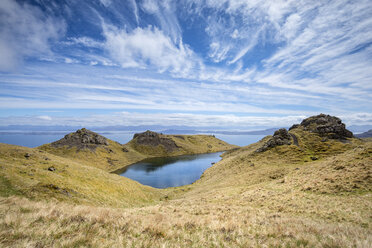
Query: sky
{"points": [[233, 64]]}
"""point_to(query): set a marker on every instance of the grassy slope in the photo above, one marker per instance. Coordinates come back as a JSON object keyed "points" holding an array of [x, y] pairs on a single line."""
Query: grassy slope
{"points": [[115, 158], [279, 198], [71, 181]]}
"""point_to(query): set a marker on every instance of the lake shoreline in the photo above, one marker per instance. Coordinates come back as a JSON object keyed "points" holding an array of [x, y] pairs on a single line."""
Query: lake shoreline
{"points": [[117, 171], [170, 171]]}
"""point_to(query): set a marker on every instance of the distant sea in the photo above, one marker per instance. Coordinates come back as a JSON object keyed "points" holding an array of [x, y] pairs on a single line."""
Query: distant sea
{"points": [[37, 138]]}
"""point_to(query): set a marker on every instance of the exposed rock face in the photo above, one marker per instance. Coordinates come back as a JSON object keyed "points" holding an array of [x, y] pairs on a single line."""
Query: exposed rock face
{"points": [[150, 138], [82, 139], [326, 126], [280, 137]]}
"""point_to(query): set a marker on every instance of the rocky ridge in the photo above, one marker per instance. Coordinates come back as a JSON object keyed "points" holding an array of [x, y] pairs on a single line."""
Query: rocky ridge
{"points": [[150, 138], [82, 139], [326, 126]]}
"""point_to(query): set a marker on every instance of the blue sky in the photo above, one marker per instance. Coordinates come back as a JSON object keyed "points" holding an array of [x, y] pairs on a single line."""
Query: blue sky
{"points": [[231, 63]]}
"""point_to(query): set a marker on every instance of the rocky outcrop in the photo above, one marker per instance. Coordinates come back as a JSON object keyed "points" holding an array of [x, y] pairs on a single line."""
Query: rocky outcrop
{"points": [[280, 137], [82, 139], [150, 138], [326, 126]]}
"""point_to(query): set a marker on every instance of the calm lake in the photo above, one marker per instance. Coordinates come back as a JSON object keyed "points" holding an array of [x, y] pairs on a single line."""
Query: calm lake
{"points": [[170, 171], [156, 172]]}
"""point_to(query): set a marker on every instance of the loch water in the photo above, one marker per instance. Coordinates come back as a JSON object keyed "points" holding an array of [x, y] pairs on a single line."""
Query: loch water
{"points": [[170, 171], [155, 172]]}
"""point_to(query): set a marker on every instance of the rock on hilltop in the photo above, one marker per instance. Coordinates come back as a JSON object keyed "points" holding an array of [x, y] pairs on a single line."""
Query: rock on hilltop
{"points": [[82, 138], [150, 138], [326, 126], [280, 137]]}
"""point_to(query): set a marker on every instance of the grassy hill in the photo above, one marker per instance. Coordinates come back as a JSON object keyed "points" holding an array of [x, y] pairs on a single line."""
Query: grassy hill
{"points": [[305, 189], [37, 175], [112, 155]]}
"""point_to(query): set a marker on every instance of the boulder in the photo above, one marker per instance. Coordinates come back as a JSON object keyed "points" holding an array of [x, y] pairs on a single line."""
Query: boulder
{"points": [[280, 137]]}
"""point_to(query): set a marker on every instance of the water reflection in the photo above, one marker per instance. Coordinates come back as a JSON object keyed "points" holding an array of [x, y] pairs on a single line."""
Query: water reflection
{"points": [[170, 171]]}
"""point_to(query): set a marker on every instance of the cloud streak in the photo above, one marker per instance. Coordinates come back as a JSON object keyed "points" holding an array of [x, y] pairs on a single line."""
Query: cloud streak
{"points": [[149, 46], [25, 31], [188, 59]]}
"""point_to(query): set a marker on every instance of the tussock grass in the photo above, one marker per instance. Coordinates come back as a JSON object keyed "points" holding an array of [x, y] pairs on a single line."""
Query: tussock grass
{"points": [[69, 181], [26, 223], [278, 198]]}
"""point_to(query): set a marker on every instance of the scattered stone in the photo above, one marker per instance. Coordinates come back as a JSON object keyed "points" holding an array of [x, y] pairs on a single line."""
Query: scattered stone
{"points": [[212, 163], [251, 165], [339, 167], [82, 139], [51, 168], [51, 186], [150, 138], [326, 126], [111, 161], [297, 168], [124, 149], [27, 155], [314, 158], [47, 158], [280, 137]]}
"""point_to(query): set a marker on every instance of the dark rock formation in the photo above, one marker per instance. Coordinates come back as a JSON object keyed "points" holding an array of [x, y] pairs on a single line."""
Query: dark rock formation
{"points": [[326, 126], [150, 138], [280, 137], [82, 139]]}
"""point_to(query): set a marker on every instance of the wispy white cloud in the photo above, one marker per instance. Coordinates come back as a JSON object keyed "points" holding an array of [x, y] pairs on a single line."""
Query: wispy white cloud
{"points": [[201, 121], [45, 117], [135, 9], [230, 58], [25, 31], [84, 41], [148, 47]]}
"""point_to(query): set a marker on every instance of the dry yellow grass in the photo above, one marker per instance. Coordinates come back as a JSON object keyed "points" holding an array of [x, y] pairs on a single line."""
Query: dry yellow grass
{"points": [[71, 181], [278, 198]]}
